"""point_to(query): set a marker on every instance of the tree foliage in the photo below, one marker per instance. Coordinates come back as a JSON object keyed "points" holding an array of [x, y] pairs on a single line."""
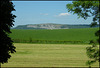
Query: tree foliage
{"points": [[85, 9], [6, 22]]}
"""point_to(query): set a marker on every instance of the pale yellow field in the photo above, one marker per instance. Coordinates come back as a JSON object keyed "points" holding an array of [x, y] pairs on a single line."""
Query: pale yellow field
{"points": [[49, 55]]}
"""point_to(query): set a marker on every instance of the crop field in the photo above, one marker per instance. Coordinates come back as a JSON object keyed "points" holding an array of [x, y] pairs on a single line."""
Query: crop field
{"points": [[54, 36], [49, 55]]}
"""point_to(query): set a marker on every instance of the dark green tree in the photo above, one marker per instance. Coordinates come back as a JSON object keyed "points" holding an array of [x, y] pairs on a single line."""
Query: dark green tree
{"points": [[85, 9], [6, 22]]}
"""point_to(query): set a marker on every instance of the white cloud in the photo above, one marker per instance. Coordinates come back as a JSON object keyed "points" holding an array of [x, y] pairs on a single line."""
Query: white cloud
{"points": [[63, 14], [44, 13]]}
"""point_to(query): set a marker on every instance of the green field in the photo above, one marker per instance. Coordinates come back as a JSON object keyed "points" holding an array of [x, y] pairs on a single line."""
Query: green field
{"points": [[48, 55], [54, 36], [69, 50]]}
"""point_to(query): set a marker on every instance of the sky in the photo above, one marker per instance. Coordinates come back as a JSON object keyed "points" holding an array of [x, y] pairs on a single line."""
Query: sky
{"points": [[39, 12]]}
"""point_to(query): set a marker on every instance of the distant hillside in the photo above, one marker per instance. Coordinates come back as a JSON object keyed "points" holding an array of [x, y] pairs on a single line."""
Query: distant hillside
{"points": [[51, 26]]}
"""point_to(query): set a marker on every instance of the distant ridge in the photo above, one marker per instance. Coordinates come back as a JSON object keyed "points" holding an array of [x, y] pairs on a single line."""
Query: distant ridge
{"points": [[52, 26]]}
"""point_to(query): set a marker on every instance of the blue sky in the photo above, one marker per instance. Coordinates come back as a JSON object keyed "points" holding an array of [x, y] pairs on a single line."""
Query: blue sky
{"points": [[37, 12]]}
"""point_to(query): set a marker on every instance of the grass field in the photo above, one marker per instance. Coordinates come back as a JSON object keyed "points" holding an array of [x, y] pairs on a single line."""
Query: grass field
{"points": [[48, 55], [54, 36]]}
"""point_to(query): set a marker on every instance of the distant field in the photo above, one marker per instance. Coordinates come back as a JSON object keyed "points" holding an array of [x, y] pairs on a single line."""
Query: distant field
{"points": [[49, 55], [54, 36]]}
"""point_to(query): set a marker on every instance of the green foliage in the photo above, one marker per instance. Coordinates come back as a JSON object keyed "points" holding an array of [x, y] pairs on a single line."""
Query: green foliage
{"points": [[93, 54], [72, 36], [6, 22], [85, 9]]}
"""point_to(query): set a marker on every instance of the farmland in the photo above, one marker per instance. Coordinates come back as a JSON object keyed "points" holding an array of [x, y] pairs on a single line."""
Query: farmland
{"points": [[51, 48], [49, 55], [64, 36]]}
